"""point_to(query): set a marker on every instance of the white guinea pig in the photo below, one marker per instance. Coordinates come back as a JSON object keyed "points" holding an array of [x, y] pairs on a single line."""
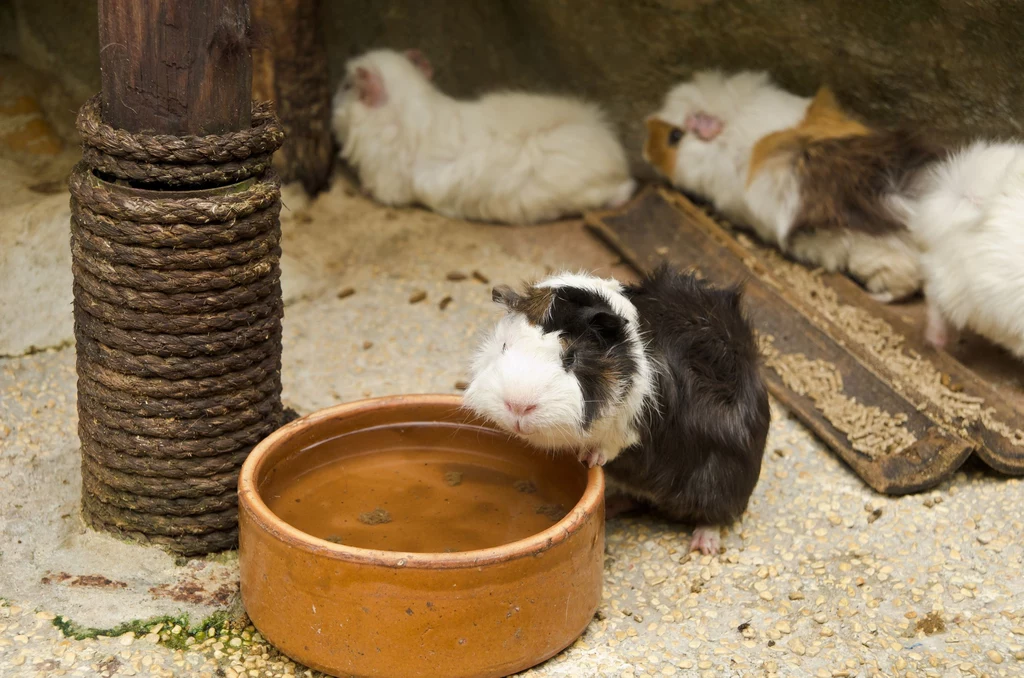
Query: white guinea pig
{"points": [[506, 157], [969, 223], [800, 172], [658, 382]]}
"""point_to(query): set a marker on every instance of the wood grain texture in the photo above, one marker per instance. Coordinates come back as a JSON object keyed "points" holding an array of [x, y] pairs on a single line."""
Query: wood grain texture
{"points": [[176, 67], [290, 68]]}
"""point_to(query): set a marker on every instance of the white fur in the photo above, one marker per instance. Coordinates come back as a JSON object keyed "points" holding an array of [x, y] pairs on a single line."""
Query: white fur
{"points": [[507, 157], [969, 222], [529, 370], [887, 265], [751, 106]]}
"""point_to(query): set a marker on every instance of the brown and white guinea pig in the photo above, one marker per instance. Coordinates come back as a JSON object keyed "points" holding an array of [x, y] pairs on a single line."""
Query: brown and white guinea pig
{"points": [[657, 381], [508, 157], [802, 173]]}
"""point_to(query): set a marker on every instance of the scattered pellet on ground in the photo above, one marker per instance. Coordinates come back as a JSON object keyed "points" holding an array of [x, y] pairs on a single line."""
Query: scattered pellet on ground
{"points": [[345, 293], [871, 431], [417, 296], [931, 624], [367, 345], [886, 345], [378, 516], [461, 385], [456, 276], [445, 302], [453, 478], [480, 277], [875, 515], [525, 486]]}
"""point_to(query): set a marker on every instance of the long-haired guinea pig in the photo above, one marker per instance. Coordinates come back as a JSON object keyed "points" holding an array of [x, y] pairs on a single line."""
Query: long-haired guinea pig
{"points": [[800, 172], [658, 381], [969, 223], [506, 157]]}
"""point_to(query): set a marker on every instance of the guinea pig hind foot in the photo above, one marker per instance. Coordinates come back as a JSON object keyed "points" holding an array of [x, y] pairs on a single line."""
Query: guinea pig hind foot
{"points": [[936, 330], [707, 539]]}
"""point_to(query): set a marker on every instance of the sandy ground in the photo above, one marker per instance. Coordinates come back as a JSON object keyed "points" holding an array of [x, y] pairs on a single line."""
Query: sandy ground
{"points": [[822, 577]]}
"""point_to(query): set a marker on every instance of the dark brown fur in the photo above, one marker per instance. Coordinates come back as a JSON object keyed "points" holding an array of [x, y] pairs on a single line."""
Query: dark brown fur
{"points": [[844, 181], [535, 304]]}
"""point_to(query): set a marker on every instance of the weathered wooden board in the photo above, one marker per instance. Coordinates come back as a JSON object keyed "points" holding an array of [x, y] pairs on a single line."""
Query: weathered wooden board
{"points": [[949, 391], [655, 227]]}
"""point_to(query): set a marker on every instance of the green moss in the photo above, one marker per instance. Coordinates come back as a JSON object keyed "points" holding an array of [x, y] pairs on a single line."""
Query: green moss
{"points": [[222, 623], [139, 627]]}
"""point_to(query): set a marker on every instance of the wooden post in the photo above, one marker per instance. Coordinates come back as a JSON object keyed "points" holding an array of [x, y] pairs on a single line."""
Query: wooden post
{"points": [[176, 66], [290, 68]]}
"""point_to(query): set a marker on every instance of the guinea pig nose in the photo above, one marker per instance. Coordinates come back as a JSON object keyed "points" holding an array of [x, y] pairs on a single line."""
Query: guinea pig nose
{"points": [[519, 409]]}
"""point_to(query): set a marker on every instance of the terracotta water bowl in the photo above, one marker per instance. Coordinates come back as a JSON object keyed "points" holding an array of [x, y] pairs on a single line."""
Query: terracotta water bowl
{"points": [[400, 537]]}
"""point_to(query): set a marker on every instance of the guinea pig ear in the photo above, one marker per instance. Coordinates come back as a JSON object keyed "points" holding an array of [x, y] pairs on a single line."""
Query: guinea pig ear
{"points": [[370, 86], [505, 295], [609, 327], [420, 61], [704, 125]]}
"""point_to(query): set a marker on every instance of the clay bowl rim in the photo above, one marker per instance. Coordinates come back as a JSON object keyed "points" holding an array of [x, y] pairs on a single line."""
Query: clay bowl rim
{"points": [[249, 499]]}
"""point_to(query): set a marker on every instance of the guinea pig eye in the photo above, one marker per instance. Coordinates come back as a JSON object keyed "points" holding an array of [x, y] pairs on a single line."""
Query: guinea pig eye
{"points": [[675, 136]]}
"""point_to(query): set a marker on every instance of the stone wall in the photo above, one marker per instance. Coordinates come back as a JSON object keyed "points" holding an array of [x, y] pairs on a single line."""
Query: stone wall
{"points": [[950, 65]]}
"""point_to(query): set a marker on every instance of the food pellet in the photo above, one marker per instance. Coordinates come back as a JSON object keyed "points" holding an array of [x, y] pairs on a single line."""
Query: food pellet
{"points": [[525, 486], [377, 516], [553, 511]]}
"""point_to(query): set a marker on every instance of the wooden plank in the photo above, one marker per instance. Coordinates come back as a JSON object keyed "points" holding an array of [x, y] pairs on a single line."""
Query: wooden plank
{"points": [[290, 68], [999, 435], [652, 230], [950, 392], [175, 66]]}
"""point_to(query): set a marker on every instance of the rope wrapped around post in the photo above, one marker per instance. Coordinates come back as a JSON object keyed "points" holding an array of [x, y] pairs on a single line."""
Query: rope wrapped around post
{"points": [[177, 301]]}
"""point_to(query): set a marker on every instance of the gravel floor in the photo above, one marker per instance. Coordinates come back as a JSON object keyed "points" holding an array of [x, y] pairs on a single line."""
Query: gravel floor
{"points": [[822, 578]]}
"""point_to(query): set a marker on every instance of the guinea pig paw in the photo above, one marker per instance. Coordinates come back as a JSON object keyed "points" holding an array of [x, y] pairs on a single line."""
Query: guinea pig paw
{"points": [[707, 540], [936, 330], [593, 457]]}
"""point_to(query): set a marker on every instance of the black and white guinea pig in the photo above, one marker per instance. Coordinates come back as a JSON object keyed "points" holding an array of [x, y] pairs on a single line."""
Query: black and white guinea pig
{"points": [[658, 381]]}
